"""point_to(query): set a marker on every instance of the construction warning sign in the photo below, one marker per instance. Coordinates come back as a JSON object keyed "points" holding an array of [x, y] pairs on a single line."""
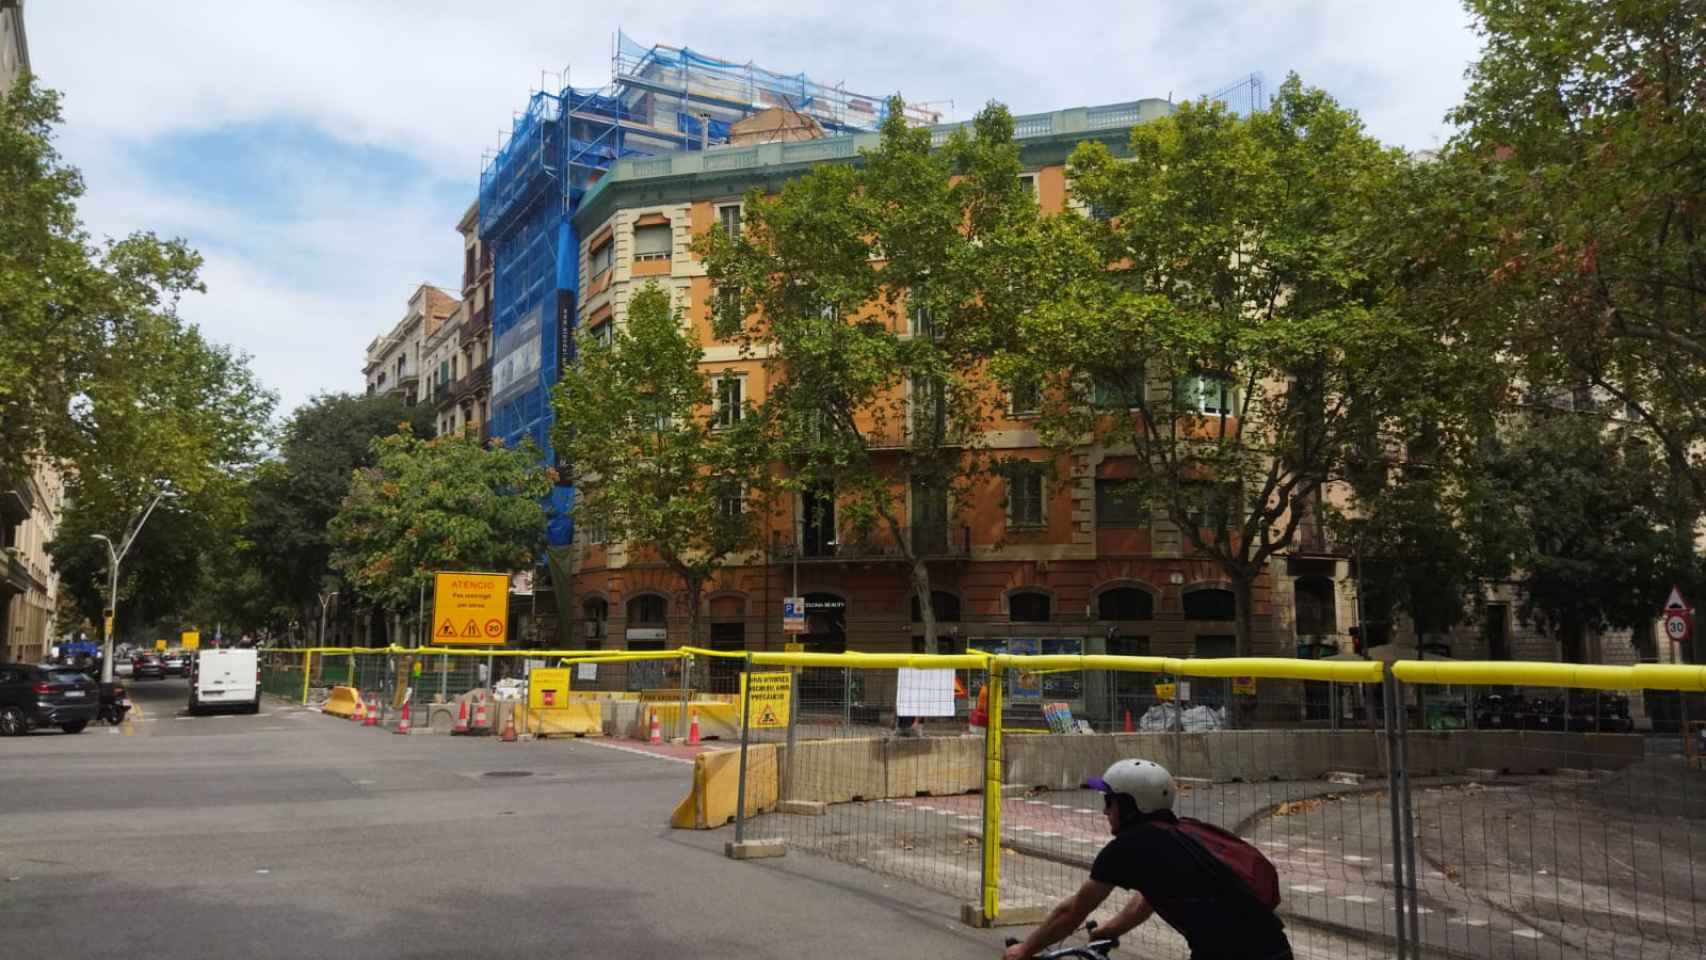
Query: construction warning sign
{"points": [[470, 609], [769, 698]]}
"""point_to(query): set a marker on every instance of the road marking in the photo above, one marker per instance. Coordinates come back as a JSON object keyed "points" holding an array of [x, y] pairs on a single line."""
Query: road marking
{"points": [[1310, 850], [183, 718], [1467, 921], [1047, 834], [1061, 806], [638, 752], [1036, 803], [263, 871], [1356, 898], [1352, 858], [1307, 888], [1527, 934]]}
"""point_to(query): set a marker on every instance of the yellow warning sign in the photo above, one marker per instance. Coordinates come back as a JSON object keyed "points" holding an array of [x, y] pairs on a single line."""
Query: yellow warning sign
{"points": [[1244, 686], [769, 698], [191, 640], [470, 609]]}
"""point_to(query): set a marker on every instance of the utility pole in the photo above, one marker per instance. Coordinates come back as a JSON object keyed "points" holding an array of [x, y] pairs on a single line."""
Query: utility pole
{"points": [[114, 558]]}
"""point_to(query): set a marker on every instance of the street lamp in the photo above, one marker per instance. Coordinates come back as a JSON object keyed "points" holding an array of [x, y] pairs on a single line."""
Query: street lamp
{"points": [[325, 598], [115, 556]]}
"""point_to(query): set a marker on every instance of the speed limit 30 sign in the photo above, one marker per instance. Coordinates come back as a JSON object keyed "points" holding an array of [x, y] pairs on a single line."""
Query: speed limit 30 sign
{"points": [[1679, 618]]}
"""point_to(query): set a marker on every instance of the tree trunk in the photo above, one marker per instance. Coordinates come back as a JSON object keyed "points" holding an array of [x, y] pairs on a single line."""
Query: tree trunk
{"points": [[1243, 592], [695, 586], [926, 610]]}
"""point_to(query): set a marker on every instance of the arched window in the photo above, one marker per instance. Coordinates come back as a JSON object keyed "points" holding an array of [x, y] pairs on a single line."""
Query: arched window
{"points": [[1125, 603], [1029, 608], [648, 609], [1211, 603], [945, 606]]}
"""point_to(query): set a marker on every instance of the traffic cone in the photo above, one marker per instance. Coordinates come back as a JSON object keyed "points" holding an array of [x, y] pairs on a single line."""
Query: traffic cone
{"points": [[1128, 721], [461, 719], [657, 735], [509, 726], [359, 715], [693, 728], [481, 723], [403, 724], [372, 713]]}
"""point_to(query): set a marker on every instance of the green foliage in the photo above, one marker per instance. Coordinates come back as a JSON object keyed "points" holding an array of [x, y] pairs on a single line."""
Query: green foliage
{"points": [[873, 292], [1581, 201], [1599, 546], [441, 504], [1230, 322], [653, 462]]}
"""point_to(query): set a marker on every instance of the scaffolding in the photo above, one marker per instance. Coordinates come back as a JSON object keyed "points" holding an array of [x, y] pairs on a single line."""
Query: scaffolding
{"points": [[659, 99]]}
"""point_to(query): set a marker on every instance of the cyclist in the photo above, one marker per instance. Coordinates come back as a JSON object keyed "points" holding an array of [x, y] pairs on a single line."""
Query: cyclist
{"points": [[1172, 875]]}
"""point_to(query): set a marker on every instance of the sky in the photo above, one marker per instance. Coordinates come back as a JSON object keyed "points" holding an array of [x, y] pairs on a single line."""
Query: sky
{"points": [[320, 152]]}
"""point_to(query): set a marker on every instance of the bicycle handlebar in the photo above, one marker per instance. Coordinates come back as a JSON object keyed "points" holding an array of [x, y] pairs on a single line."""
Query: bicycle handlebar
{"points": [[1094, 950]]}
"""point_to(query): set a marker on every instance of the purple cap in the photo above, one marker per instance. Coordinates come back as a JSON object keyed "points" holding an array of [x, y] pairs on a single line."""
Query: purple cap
{"points": [[1097, 783]]}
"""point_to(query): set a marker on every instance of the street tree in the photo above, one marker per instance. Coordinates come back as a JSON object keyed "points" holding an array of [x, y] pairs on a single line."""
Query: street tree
{"points": [[292, 498], [871, 290], [447, 503], [1221, 321], [1592, 501], [1581, 199], [656, 464]]}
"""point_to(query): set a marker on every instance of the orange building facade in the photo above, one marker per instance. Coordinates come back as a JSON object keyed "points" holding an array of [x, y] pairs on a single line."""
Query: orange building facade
{"points": [[1055, 565]]}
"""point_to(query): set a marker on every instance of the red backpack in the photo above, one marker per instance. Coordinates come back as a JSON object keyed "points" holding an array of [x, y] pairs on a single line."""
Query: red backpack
{"points": [[1248, 866]]}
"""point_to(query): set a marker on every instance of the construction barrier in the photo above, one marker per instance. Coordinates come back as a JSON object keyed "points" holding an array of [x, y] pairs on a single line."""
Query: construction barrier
{"points": [[711, 800], [343, 702]]}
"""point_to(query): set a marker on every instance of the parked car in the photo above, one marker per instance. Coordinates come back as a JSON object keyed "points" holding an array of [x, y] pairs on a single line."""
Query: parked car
{"points": [[176, 663], [226, 678], [147, 665], [45, 696]]}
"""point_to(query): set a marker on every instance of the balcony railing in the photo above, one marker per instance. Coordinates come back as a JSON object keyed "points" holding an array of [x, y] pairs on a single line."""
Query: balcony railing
{"points": [[1313, 540], [932, 541]]}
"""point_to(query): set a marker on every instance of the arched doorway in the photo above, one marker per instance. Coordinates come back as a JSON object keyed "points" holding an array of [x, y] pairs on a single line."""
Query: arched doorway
{"points": [[825, 689]]}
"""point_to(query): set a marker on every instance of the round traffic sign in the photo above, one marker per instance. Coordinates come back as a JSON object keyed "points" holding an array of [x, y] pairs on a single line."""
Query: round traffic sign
{"points": [[494, 628], [1676, 627]]}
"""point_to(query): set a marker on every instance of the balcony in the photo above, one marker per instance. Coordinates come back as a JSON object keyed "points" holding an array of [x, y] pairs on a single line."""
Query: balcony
{"points": [[934, 541], [17, 502], [1313, 540]]}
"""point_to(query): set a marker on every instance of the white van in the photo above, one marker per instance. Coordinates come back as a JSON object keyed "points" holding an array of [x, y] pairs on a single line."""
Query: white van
{"points": [[225, 678]]}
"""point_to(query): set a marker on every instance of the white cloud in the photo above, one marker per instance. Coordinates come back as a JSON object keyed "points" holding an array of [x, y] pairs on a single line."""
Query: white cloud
{"points": [[304, 286]]}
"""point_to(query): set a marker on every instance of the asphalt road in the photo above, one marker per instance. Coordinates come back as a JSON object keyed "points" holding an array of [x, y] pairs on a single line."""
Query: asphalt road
{"points": [[292, 834]]}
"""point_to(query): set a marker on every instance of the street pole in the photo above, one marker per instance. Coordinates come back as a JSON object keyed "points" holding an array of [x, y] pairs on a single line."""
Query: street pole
{"points": [[114, 558], [325, 598]]}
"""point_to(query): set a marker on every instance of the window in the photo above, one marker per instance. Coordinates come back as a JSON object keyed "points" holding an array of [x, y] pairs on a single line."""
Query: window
{"points": [[726, 305], [731, 500], [600, 258], [729, 219], [1118, 390], [1117, 504], [647, 610], [1211, 603], [1028, 185], [1028, 608], [728, 400], [1207, 394], [1025, 495], [601, 333], [945, 607], [1315, 605], [594, 530], [1209, 505], [1025, 399], [921, 322], [1125, 603], [653, 241], [595, 614], [1582, 399]]}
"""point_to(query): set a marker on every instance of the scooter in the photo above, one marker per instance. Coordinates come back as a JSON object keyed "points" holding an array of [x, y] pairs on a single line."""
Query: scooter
{"points": [[114, 704]]}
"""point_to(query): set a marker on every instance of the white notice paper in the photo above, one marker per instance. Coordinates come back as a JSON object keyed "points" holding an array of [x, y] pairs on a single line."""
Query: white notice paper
{"points": [[924, 693], [586, 671]]}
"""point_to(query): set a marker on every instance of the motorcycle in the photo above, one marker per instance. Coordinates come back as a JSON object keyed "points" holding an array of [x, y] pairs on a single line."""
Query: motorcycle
{"points": [[114, 704]]}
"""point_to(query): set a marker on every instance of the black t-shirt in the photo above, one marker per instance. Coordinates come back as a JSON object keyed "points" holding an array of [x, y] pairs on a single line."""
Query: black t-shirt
{"points": [[1195, 894]]}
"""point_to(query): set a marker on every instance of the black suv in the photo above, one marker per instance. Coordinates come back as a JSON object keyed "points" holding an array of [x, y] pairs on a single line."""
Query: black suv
{"points": [[32, 696]]}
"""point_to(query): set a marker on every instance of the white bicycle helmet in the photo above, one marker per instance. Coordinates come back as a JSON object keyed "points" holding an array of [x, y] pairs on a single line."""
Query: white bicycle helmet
{"points": [[1146, 782]]}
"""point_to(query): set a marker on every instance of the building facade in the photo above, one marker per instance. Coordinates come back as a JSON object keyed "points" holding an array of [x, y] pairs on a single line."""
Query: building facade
{"points": [[31, 494], [395, 360], [1059, 566], [14, 46], [471, 391]]}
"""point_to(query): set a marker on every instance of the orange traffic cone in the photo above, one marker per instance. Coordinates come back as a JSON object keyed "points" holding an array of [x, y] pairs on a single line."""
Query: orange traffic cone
{"points": [[509, 726], [1128, 721], [461, 719], [372, 719], [657, 735], [693, 728], [403, 724], [359, 715], [481, 723]]}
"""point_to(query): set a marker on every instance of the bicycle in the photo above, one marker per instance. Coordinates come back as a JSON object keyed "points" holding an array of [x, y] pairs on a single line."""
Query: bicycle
{"points": [[1094, 950]]}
